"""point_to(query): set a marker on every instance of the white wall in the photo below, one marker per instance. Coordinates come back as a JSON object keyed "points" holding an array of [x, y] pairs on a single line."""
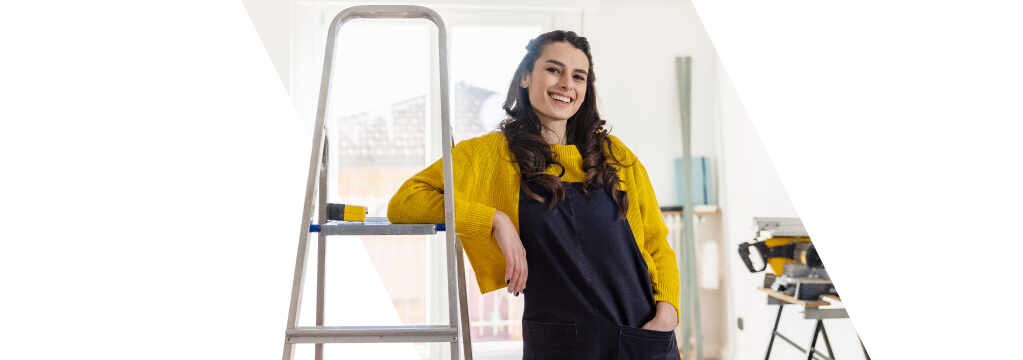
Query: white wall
{"points": [[634, 48]]}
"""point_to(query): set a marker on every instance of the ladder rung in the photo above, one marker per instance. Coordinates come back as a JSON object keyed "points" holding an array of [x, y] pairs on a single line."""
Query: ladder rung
{"points": [[371, 334]]}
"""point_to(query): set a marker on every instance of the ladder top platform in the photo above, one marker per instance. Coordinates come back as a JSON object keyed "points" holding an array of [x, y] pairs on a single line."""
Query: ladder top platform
{"points": [[375, 226]]}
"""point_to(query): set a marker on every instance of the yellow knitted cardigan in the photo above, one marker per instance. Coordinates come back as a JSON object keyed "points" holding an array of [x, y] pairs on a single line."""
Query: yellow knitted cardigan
{"points": [[486, 178]]}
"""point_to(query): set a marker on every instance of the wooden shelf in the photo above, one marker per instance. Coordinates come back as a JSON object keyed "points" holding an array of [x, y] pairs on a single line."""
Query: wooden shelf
{"points": [[832, 297], [792, 300], [698, 210], [679, 213]]}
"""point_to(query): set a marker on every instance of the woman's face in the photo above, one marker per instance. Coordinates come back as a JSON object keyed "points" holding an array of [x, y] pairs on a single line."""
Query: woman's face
{"points": [[557, 84]]}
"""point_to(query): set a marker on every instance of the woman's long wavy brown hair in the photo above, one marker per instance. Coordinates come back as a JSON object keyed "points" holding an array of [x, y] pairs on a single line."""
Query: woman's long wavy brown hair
{"points": [[585, 130]]}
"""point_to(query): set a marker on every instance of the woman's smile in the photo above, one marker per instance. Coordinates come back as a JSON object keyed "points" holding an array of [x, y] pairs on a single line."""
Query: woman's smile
{"points": [[561, 99]]}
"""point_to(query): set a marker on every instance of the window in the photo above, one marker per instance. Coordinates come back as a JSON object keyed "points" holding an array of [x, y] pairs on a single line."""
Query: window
{"points": [[482, 65]]}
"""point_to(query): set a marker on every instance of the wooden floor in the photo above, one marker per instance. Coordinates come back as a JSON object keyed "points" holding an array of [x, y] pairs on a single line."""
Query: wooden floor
{"points": [[692, 355]]}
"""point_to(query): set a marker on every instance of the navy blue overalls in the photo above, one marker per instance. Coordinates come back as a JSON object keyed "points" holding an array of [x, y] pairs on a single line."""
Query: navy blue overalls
{"points": [[588, 287]]}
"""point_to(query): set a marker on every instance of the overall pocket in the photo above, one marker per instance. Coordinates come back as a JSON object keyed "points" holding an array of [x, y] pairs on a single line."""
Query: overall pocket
{"points": [[642, 344], [542, 341]]}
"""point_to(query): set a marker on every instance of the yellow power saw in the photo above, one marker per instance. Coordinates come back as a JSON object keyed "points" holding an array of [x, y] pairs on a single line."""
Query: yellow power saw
{"points": [[784, 244]]}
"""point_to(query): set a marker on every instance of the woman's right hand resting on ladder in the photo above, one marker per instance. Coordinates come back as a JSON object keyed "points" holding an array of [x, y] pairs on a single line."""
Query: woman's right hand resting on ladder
{"points": [[514, 254]]}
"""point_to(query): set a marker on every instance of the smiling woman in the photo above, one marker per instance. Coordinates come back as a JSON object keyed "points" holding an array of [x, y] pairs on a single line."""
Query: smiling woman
{"points": [[552, 194]]}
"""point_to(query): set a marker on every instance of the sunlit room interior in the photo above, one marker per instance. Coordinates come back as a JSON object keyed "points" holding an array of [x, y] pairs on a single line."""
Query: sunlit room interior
{"points": [[384, 127]]}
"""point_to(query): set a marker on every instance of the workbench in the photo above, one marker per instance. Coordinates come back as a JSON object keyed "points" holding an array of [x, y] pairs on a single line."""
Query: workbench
{"points": [[812, 311]]}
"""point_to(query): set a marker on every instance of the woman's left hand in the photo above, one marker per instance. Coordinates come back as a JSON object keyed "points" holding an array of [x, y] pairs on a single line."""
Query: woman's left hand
{"points": [[666, 318]]}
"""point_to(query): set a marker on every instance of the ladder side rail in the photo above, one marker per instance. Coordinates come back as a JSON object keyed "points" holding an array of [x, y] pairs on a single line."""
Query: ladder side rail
{"points": [[298, 279], [321, 245], [463, 304], [315, 164], [319, 135], [458, 303]]}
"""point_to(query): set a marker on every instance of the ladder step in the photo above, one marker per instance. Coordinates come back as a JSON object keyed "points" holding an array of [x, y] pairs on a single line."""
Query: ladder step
{"points": [[374, 226], [371, 334]]}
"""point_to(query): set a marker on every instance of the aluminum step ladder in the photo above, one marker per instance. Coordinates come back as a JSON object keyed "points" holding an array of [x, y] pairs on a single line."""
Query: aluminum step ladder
{"points": [[316, 201]]}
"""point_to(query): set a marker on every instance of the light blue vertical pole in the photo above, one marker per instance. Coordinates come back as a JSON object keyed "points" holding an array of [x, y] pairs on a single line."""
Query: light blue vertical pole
{"points": [[690, 307]]}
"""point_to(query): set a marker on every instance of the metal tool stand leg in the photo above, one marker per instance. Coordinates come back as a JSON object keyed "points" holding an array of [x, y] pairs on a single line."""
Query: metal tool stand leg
{"points": [[813, 341], [827, 343], [774, 331], [457, 330], [811, 352]]}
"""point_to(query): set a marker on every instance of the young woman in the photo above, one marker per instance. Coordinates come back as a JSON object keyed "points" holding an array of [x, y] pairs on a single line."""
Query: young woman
{"points": [[553, 205]]}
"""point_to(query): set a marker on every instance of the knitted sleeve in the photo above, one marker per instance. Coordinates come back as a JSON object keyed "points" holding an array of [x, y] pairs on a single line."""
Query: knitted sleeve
{"points": [[656, 240], [420, 200]]}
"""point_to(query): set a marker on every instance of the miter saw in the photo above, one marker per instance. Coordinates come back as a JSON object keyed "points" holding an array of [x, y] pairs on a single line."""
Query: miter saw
{"points": [[784, 244]]}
